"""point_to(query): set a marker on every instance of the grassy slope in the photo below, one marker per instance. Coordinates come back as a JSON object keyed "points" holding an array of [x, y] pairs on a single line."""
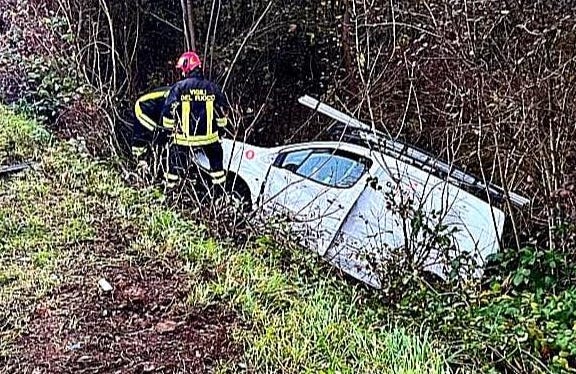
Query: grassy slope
{"points": [[298, 319]]}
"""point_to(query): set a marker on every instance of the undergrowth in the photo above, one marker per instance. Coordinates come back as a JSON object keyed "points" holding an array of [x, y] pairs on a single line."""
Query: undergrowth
{"points": [[298, 317]]}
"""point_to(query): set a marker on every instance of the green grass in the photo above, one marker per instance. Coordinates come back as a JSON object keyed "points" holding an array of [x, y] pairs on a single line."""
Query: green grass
{"points": [[20, 138], [304, 320], [299, 318], [50, 218]]}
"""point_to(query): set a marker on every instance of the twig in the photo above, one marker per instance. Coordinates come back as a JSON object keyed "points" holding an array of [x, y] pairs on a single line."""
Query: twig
{"points": [[401, 24], [113, 44], [254, 27], [165, 21]]}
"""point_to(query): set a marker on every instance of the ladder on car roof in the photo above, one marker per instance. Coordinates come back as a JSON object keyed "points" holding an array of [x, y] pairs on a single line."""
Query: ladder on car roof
{"points": [[406, 153]]}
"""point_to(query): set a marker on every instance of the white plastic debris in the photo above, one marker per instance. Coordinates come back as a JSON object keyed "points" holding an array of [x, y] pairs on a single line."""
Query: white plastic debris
{"points": [[74, 346], [104, 285]]}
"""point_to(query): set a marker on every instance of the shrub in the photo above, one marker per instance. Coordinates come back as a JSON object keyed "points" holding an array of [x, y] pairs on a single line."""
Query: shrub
{"points": [[39, 71]]}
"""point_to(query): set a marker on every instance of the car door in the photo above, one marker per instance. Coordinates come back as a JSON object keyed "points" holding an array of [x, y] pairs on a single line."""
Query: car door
{"points": [[373, 227], [367, 231], [316, 188]]}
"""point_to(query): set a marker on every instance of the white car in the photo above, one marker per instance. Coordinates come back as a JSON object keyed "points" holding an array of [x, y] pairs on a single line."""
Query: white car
{"points": [[349, 194]]}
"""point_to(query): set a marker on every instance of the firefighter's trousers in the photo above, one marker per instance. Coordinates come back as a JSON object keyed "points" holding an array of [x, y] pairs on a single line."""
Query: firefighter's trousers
{"points": [[182, 162]]}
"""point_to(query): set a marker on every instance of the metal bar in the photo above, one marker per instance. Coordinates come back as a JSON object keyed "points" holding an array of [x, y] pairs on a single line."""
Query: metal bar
{"points": [[314, 104], [408, 153], [4, 170]]}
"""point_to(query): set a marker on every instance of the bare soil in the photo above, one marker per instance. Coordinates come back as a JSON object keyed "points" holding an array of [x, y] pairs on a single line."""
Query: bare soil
{"points": [[144, 325]]}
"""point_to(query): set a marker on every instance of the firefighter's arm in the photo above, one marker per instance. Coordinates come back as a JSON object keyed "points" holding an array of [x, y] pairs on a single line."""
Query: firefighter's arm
{"points": [[222, 118], [170, 108], [149, 101], [225, 127], [142, 118]]}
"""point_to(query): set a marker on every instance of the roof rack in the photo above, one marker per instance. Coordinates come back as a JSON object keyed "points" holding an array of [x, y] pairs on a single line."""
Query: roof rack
{"points": [[357, 132]]}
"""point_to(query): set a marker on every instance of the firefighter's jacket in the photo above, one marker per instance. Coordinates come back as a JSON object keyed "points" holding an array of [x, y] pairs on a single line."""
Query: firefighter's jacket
{"points": [[148, 108], [191, 109]]}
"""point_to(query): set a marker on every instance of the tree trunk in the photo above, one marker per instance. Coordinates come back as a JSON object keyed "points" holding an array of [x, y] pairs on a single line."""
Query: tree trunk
{"points": [[188, 23], [346, 43], [185, 24], [192, 34], [347, 46]]}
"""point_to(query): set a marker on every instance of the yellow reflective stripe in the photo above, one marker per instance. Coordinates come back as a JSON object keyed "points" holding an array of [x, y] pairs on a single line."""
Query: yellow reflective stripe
{"points": [[143, 118], [218, 177], [219, 180], [138, 151], [186, 118], [196, 140], [217, 174], [154, 95], [168, 122], [194, 143], [222, 122], [209, 116]]}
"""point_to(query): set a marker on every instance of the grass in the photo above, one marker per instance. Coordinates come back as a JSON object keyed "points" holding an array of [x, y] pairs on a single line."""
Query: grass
{"points": [[298, 317], [305, 320]]}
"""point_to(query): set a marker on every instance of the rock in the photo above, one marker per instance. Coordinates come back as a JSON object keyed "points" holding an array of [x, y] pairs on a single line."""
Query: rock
{"points": [[74, 346], [104, 285], [164, 327]]}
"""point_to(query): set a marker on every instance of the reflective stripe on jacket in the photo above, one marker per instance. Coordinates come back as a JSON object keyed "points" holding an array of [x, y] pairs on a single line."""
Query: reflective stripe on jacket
{"points": [[190, 110], [148, 108]]}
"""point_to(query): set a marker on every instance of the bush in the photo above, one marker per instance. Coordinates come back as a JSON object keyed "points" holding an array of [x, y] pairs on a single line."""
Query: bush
{"points": [[33, 76]]}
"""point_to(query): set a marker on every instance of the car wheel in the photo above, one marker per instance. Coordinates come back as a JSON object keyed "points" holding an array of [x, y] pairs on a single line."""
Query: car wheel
{"points": [[227, 207], [238, 194]]}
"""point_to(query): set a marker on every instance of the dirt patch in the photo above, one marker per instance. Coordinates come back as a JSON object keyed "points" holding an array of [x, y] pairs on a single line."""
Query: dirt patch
{"points": [[144, 325]]}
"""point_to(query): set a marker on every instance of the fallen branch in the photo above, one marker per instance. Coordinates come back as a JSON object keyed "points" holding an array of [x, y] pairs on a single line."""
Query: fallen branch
{"points": [[10, 169]]}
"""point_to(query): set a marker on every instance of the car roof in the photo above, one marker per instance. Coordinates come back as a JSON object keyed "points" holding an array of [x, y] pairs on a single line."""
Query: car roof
{"points": [[343, 146], [366, 139]]}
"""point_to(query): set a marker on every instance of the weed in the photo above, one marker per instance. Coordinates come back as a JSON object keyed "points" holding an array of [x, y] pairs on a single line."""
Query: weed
{"points": [[298, 316]]}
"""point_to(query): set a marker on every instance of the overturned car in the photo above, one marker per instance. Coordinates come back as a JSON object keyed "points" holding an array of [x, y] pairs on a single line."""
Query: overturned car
{"points": [[366, 200]]}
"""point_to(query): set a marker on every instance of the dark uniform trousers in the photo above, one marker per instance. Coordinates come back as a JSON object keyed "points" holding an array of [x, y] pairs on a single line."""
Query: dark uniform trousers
{"points": [[182, 158]]}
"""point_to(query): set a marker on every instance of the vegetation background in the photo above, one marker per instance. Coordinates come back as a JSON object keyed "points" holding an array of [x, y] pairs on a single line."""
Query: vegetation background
{"points": [[486, 84]]}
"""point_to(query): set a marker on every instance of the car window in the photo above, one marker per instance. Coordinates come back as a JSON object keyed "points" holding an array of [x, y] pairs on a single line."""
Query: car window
{"points": [[293, 160], [328, 167]]}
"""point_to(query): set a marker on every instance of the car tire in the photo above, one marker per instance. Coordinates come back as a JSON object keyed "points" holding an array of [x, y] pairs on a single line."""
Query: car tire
{"points": [[238, 192]]}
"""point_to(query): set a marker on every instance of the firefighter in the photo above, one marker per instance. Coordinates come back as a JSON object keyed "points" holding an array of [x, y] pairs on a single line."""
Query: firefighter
{"points": [[148, 125], [195, 110]]}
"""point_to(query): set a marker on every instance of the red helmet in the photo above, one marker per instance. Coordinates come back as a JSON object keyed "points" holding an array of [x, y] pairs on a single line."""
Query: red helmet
{"points": [[188, 62]]}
